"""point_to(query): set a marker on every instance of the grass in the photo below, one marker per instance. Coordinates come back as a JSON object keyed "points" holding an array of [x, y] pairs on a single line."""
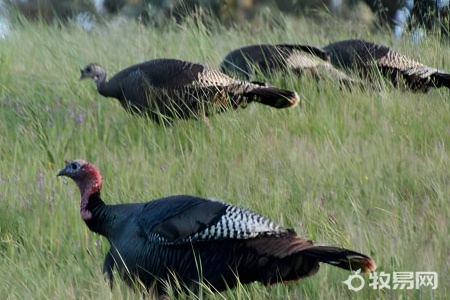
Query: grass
{"points": [[363, 170]]}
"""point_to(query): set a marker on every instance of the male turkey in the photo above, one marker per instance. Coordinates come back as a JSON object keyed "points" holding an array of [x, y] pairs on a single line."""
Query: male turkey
{"points": [[167, 89], [371, 59], [199, 240], [268, 59]]}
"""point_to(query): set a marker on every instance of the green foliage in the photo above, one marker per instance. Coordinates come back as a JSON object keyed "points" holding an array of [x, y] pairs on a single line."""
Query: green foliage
{"points": [[366, 169]]}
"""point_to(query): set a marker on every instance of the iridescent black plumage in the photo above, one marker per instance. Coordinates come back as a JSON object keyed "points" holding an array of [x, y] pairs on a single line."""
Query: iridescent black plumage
{"points": [[370, 60], [272, 59], [167, 89], [199, 240]]}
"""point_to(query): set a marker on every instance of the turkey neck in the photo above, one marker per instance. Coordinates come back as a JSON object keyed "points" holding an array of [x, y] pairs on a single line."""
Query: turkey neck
{"points": [[110, 88], [102, 84], [92, 208], [97, 212]]}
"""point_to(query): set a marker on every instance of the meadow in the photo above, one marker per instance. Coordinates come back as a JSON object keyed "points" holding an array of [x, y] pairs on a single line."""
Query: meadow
{"points": [[363, 169]]}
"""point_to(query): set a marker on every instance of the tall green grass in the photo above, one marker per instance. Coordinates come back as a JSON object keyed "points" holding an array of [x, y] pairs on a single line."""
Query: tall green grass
{"points": [[367, 170]]}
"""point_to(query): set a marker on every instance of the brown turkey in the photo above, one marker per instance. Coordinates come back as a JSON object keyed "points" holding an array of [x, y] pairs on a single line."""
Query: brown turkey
{"points": [[177, 234], [247, 62], [370, 60], [168, 89]]}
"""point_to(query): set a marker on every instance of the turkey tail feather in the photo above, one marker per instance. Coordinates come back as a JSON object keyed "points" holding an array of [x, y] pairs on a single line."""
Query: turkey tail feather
{"points": [[342, 258], [273, 97]]}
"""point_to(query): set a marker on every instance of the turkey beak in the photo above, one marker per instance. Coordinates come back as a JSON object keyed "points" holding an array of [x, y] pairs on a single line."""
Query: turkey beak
{"points": [[62, 172]]}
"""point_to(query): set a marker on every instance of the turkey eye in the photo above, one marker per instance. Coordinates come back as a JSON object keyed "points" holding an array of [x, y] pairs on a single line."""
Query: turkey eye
{"points": [[74, 166]]}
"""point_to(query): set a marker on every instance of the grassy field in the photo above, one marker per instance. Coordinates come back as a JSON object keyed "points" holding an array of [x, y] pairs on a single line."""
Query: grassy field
{"points": [[364, 170]]}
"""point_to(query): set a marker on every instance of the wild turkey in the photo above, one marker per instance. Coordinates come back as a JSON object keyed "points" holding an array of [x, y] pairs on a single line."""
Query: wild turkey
{"points": [[269, 59], [167, 89], [188, 236], [371, 59]]}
